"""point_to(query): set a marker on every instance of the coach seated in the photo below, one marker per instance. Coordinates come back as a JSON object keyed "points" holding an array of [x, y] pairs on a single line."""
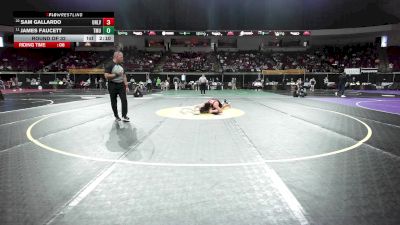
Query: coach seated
{"points": [[354, 85], [85, 85], [257, 85], [2, 86]]}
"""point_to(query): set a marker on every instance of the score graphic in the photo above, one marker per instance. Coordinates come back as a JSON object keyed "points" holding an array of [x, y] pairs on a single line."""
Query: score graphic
{"points": [[108, 25], [61, 29], [108, 22], [42, 44], [108, 30]]}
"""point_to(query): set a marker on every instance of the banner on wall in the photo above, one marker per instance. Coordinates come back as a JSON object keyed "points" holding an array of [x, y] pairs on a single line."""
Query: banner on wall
{"points": [[86, 71], [369, 70], [284, 72], [352, 71]]}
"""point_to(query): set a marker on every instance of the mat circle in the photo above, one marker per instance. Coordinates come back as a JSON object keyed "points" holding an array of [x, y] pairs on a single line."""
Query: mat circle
{"points": [[187, 113]]}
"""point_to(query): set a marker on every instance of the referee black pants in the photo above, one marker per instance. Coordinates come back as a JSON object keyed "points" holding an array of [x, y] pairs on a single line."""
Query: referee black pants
{"points": [[342, 87], [115, 90], [203, 88]]}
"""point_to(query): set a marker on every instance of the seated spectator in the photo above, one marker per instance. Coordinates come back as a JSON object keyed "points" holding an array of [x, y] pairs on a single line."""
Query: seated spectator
{"points": [[188, 62], [140, 61]]}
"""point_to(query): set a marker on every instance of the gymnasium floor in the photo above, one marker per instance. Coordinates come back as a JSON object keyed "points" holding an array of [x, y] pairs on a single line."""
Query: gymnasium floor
{"points": [[272, 159]]}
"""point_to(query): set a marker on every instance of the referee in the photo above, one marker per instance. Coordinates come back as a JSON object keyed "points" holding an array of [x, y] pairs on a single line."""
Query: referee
{"points": [[203, 84], [342, 85], [117, 85]]}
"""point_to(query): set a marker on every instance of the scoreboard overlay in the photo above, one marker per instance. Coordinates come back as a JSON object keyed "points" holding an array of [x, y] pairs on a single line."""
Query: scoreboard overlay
{"points": [[61, 29]]}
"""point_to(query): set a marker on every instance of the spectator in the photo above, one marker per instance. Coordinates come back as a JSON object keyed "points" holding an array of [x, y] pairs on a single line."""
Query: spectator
{"points": [[312, 84], [149, 85], [158, 82]]}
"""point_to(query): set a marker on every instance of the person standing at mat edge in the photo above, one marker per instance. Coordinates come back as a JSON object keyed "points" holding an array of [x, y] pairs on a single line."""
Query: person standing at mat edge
{"points": [[117, 85], [203, 84], [342, 85]]}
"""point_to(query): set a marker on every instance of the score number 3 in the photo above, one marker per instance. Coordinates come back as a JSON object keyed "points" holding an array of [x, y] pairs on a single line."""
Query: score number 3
{"points": [[108, 21]]}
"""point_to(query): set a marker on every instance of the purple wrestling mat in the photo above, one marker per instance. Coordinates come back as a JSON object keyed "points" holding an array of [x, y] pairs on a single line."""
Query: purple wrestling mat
{"points": [[384, 92], [377, 104]]}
